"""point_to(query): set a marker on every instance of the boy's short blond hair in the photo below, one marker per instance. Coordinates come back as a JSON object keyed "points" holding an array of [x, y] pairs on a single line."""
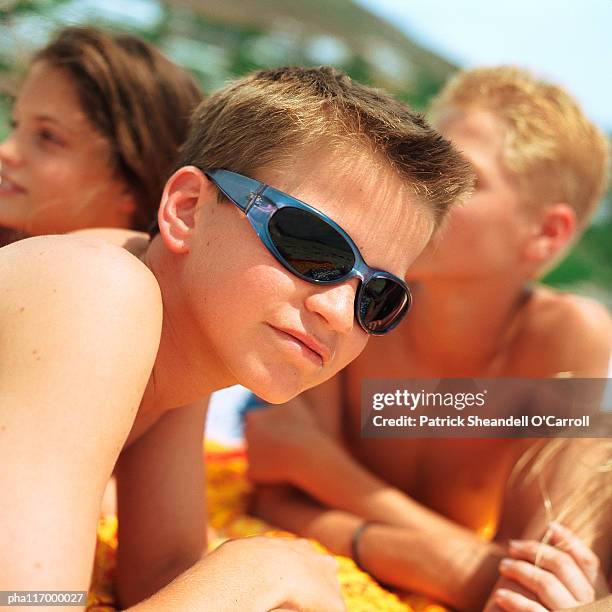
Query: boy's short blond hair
{"points": [[270, 118], [555, 152]]}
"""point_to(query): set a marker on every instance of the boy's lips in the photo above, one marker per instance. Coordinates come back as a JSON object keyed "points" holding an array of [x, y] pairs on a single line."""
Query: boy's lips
{"points": [[308, 341], [9, 186]]}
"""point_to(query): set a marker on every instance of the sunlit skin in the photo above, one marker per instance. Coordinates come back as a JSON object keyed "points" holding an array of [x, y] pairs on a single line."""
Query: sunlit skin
{"points": [[475, 314], [488, 233], [473, 278], [56, 170], [243, 329], [145, 344]]}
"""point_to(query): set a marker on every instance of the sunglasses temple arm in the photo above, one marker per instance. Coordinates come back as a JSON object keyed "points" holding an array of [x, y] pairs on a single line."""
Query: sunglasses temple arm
{"points": [[239, 189]]}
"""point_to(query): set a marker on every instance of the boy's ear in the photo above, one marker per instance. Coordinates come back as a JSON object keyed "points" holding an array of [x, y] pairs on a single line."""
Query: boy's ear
{"points": [[185, 190], [554, 228]]}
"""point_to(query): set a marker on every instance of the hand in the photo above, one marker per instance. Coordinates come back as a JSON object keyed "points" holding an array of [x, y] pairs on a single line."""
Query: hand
{"points": [[559, 575], [296, 575], [274, 436]]}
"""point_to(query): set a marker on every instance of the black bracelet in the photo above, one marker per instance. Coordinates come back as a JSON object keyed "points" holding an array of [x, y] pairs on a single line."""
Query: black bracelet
{"points": [[355, 539]]}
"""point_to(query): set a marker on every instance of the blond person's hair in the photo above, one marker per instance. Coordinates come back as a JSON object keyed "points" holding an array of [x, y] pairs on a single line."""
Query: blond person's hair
{"points": [[586, 508], [273, 117], [553, 150]]}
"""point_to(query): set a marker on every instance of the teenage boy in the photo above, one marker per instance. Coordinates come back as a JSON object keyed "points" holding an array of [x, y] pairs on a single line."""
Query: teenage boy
{"points": [[106, 356], [407, 509]]}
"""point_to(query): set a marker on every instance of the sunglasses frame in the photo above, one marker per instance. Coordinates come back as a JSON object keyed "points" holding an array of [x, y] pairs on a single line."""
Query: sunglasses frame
{"points": [[259, 202]]}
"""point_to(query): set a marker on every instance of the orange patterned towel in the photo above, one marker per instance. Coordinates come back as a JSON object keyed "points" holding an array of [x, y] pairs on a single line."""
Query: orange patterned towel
{"points": [[101, 596], [228, 493]]}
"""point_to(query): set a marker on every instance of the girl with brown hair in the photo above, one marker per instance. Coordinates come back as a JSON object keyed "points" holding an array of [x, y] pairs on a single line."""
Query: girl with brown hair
{"points": [[96, 127]]}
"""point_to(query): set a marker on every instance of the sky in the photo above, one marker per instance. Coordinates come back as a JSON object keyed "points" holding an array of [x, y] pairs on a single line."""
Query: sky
{"points": [[566, 41]]}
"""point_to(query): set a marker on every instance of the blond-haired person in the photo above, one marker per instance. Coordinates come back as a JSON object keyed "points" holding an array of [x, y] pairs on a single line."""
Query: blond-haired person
{"points": [[541, 169]]}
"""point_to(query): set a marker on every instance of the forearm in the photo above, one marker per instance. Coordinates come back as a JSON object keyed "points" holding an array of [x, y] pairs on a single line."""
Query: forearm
{"points": [[447, 562], [161, 504], [212, 585], [329, 474], [288, 509], [136, 584], [452, 564]]}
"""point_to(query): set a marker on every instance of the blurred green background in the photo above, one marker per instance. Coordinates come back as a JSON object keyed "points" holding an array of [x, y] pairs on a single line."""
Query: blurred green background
{"points": [[221, 39]]}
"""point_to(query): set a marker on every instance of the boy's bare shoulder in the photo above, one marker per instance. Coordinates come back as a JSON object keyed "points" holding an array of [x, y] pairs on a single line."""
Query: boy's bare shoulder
{"points": [[131, 240], [565, 333], [59, 256], [54, 273], [80, 323]]}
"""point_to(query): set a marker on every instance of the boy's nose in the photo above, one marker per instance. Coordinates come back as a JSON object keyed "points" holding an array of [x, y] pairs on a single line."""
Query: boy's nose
{"points": [[336, 304]]}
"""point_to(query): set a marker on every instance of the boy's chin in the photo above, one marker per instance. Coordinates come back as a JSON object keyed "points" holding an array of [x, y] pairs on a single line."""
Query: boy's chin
{"points": [[279, 382], [272, 389], [276, 396]]}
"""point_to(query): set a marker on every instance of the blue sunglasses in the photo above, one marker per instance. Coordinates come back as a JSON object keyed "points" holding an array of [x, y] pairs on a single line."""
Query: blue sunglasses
{"points": [[316, 249]]}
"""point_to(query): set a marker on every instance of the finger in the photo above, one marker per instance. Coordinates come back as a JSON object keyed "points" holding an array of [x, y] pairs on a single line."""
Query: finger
{"points": [[515, 602], [557, 562], [546, 586], [568, 541]]}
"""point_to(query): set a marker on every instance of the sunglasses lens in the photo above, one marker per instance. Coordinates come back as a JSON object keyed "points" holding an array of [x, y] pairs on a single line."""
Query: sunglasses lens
{"points": [[382, 304], [309, 245]]}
